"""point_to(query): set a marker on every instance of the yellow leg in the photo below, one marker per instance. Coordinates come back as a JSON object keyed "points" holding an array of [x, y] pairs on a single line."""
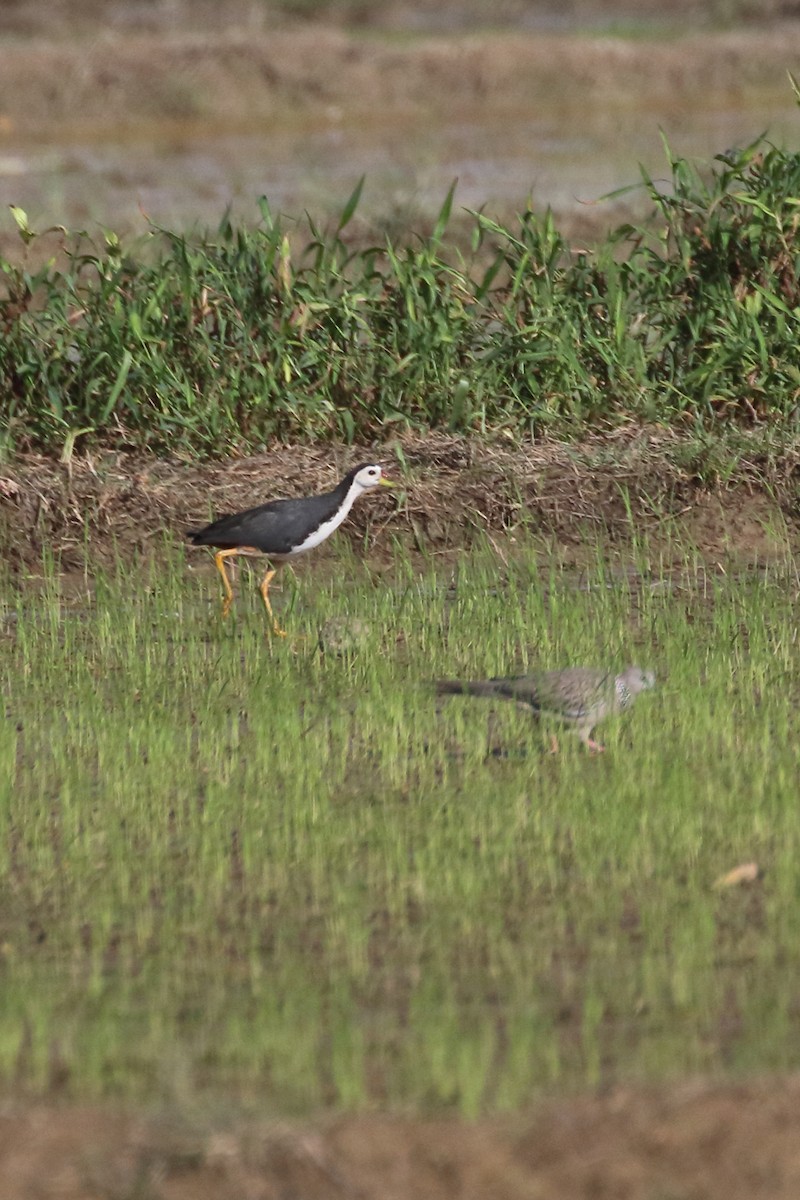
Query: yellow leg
{"points": [[264, 589], [219, 559]]}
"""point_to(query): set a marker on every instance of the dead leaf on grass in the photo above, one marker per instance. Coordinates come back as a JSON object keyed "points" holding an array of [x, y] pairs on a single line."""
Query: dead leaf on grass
{"points": [[8, 488], [745, 873]]}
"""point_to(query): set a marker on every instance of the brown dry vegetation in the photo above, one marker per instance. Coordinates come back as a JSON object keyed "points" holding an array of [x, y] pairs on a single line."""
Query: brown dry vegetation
{"points": [[110, 83], [455, 489], [69, 18]]}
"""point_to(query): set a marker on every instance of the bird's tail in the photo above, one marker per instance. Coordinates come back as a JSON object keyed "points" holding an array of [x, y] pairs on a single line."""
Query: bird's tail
{"points": [[465, 687]]}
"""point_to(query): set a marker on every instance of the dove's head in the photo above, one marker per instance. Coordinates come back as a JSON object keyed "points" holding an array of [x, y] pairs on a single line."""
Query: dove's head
{"points": [[634, 680]]}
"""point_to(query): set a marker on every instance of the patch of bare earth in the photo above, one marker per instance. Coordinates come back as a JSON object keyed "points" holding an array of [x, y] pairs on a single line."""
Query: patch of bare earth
{"points": [[453, 490], [694, 1141]]}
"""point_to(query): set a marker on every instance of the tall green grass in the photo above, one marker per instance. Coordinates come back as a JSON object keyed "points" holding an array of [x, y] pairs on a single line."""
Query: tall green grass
{"points": [[200, 345], [239, 866]]}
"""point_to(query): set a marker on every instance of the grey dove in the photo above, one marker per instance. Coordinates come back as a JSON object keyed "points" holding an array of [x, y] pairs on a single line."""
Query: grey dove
{"points": [[579, 697]]}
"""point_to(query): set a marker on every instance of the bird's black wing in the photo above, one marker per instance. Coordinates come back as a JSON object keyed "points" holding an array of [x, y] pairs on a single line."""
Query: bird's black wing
{"points": [[273, 528], [262, 527]]}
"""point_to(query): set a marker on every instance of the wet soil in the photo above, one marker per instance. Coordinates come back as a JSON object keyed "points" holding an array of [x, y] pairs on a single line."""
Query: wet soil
{"points": [[692, 1141]]}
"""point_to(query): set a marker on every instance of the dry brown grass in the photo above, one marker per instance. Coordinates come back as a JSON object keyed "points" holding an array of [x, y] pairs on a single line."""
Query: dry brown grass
{"points": [[100, 85], [455, 489]]}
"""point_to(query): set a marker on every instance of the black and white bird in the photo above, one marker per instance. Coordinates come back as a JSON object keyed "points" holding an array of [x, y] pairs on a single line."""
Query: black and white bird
{"points": [[282, 529], [579, 697]]}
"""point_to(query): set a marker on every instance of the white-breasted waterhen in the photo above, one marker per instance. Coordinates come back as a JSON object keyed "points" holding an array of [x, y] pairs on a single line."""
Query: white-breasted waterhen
{"points": [[282, 529]]}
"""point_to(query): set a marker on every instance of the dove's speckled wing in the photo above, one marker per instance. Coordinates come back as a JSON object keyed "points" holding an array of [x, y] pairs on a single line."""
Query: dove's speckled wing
{"points": [[578, 696], [573, 694]]}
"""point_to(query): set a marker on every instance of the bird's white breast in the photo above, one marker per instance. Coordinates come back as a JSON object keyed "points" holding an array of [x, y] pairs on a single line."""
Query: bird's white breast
{"points": [[327, 527]]}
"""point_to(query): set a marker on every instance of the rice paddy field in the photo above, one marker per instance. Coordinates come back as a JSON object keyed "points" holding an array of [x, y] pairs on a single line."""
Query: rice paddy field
{"points": [[276, 918], [284, 873]]}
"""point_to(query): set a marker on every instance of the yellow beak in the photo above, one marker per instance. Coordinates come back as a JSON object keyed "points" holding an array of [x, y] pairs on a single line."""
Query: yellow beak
{"points": [[386, 482]]}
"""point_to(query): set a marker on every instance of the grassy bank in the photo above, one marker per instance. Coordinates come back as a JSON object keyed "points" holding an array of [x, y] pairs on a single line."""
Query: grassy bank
{"points": [[244, 867], [201, 346]]}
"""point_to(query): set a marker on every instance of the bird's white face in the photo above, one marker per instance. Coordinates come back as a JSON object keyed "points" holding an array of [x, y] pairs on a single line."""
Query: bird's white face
{"points": [[370, 476]]}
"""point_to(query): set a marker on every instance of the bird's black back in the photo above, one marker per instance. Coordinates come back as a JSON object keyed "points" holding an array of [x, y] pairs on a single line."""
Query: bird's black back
{"points": [[277, 526]]}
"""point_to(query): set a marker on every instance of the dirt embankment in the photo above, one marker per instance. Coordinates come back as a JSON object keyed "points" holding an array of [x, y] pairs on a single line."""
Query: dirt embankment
{"points": [[453, 490], [686, 1142]]}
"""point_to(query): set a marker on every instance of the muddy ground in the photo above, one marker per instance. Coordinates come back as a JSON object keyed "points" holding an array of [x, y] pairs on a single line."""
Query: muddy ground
{"points": [[691, 1141]]}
